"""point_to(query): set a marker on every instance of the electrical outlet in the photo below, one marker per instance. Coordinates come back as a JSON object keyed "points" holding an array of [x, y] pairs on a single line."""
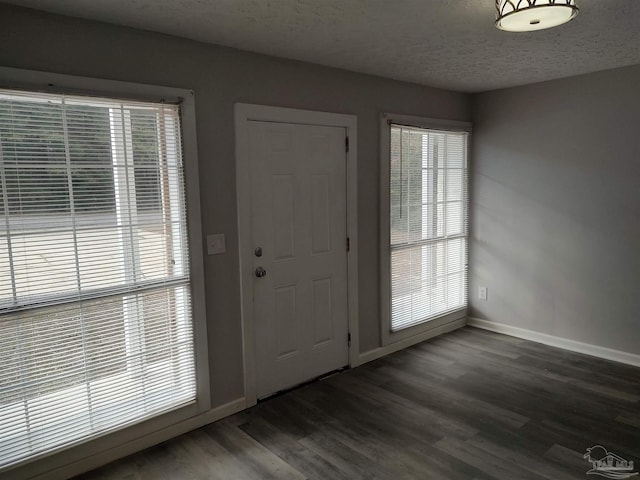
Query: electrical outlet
{"points": [[216, 244], [482, 293]]}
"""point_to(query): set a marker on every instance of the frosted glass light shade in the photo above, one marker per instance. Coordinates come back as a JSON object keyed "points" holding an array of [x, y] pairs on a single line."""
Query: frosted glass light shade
{"points": [[531, 15]]}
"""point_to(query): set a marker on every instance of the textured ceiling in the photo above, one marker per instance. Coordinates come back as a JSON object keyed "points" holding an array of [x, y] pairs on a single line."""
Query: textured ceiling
{"points": [[443, 43]]}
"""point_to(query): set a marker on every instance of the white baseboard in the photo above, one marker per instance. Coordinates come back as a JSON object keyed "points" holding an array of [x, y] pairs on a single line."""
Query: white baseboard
{"points": [[564, 343], [407, 342], [146, 441]]}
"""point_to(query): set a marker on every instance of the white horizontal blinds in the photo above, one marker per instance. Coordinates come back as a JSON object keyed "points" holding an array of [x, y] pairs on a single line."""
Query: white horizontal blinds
{"points": [[95, 307], [89, 182], [428, 224]]}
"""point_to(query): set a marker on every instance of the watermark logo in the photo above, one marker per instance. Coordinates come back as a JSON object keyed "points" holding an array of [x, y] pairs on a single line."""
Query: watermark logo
{"points": [[608, 464]]}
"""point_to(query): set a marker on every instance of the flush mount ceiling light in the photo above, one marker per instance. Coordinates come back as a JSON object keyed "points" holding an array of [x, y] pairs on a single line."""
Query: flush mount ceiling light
{"points": [[530, 15]]}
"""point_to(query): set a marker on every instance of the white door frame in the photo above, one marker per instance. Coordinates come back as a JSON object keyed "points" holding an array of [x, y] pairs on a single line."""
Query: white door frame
{"points": [[244, 113]]}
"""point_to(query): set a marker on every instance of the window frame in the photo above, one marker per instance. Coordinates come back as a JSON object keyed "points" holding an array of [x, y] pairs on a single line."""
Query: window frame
{"points": [[83, 454], [438, 325]]}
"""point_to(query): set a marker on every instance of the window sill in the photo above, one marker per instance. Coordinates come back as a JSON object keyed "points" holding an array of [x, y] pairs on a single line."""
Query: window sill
{"points": [[389, 337]]}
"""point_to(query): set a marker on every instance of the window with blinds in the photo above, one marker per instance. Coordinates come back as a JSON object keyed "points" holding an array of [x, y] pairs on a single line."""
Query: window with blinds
{"points": [[428, 224], [96, 330]]}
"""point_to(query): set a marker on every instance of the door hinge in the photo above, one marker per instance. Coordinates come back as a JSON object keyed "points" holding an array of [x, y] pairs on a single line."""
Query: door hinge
{"points": [[348, 244], [346, 144], [349, 339]]}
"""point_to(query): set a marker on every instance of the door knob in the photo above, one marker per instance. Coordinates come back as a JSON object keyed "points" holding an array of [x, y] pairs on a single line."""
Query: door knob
{"points": [[260, 272]]}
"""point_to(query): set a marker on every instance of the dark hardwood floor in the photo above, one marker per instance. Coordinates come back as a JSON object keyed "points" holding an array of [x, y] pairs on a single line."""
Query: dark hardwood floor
{"points": [[467, 405]]}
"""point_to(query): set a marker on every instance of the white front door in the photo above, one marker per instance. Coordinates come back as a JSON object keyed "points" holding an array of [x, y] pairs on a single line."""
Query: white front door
{"points": [[298, 222]]}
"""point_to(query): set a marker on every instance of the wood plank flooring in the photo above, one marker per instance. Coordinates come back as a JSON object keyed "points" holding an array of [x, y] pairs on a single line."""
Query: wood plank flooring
{"points": [[467, 405]]}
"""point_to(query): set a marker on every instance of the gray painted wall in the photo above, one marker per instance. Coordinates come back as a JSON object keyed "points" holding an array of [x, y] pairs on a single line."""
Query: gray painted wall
{"points": [[556, 208], [221, 77]]}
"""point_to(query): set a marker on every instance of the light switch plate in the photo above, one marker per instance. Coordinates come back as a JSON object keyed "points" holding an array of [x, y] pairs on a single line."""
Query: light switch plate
{"points": [[482, 293], [216, 244]]}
